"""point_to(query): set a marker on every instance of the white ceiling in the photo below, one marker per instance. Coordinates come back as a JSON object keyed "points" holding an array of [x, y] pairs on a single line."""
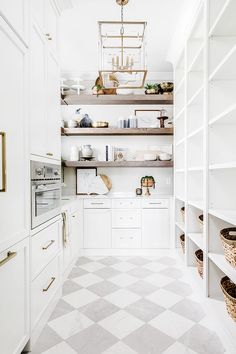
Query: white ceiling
{"points": [[79, 30]]}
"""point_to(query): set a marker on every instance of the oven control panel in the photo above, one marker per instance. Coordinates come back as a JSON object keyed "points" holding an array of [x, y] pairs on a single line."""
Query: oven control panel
{"points": [[43, 171]]}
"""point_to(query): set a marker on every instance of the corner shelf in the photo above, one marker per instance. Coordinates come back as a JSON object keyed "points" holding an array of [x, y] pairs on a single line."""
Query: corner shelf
{"points": [[159, 164], [116, 131], [143, 99]]}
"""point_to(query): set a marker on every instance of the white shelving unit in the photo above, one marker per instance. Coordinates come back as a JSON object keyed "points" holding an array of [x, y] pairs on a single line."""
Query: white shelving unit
{"points": [[205, 146]]}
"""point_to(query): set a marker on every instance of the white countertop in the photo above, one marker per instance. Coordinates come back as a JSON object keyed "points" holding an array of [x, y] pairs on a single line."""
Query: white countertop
{"points": [[70, 199]]}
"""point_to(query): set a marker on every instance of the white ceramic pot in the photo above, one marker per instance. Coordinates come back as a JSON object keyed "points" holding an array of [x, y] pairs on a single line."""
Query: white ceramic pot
{"points": [[164, 156], [87, 151]]}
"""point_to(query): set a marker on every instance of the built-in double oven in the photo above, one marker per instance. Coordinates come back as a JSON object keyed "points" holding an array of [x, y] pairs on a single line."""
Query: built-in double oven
{"points": [[45, 192]]}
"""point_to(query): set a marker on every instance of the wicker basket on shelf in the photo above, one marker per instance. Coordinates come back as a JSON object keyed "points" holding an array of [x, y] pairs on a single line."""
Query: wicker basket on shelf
{"points": [[182, 210], [200, 218], [229, 290], [182, 242], [199, 261], [228, 239]]}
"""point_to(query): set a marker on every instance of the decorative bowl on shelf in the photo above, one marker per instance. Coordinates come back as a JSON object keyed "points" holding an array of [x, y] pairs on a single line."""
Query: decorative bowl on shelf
{"points": [[166, 87], [100, 124]]}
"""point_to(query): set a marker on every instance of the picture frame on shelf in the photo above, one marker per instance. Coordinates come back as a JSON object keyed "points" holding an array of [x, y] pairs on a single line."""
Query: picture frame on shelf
{"points": [[147, 118], [84, 179]]}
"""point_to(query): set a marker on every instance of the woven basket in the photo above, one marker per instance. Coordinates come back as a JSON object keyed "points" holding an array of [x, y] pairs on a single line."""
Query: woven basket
{"points": [[229, 291], [182, 242], [182, 210], [228, 239], [199, 261], [200, 219]]}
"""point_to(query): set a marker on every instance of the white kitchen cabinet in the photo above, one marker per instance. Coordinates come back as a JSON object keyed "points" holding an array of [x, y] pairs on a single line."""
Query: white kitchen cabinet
{"points": [[75, 235], [14, 201], [16, 13], [38, 94], [53, 124], [45, 15], [126, 238], [97, 228], [155, 228], [45, 245], [126, 218], [14, 298], [44, 89], [52, 26], [44, 288]]}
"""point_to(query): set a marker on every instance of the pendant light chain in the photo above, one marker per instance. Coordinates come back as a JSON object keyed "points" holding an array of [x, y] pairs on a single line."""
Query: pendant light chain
{"points": [[122, 35]]}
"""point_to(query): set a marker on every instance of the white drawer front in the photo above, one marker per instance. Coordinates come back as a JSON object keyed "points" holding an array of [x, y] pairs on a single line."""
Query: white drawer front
{"points": [[97, 203], [155, 203], [44, 288], [126, 238], [126, 203], [45, 246], [126, 218]]}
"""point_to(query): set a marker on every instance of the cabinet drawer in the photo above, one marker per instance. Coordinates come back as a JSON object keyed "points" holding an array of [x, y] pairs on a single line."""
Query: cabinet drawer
{"points": [[45, 246], [44, 288], [126, 218], [155, 203], [126, 238], [126, 203], [97, 203]]}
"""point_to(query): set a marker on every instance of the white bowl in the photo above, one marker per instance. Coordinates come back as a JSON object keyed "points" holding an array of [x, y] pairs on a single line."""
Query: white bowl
{"points": [[164, 156], [150, 157]]}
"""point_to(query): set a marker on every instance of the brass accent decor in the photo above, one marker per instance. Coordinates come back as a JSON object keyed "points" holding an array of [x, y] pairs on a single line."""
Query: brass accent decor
{"points": [[50, 284], [9, 256], [123, 52], [3, 164]]}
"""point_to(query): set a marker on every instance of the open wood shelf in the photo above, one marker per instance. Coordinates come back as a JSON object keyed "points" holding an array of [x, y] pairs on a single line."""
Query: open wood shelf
{"points": [[116, 131], [84, 99], [162, 164]]}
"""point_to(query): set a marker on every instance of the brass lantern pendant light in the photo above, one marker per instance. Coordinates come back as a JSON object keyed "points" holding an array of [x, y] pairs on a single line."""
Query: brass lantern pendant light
{"points": [[123, 52]]}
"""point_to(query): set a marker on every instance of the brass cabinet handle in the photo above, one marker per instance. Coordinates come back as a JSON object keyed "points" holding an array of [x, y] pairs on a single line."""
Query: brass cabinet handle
{"points": [[49, 154], [9, 256], [50, 284], [50, 244], [48, 36], [3, 167]]}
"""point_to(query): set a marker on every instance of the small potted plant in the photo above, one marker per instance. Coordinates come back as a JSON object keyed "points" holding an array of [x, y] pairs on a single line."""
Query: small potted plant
{"points": [[151, 89], [98, 90]]}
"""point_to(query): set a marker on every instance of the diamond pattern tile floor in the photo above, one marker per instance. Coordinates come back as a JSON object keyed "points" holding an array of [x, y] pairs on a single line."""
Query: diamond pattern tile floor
{"points": [[128, 305]]}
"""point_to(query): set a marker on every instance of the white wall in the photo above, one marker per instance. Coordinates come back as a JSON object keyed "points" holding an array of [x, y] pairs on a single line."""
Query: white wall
{"points": [[123, 179]]}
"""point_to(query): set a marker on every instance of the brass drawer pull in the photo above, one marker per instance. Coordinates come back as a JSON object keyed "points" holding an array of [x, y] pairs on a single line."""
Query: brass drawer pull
{"points": [[50, 284], [50, 244], [3, 166], [9, 256], [49, 154], [155, 203], [97, 203]]}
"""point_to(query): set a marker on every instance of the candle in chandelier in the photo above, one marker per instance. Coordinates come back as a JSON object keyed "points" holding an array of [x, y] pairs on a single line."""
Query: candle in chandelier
{"points": [[117, 61], [132, 63], [127, 61], [113, 62]]}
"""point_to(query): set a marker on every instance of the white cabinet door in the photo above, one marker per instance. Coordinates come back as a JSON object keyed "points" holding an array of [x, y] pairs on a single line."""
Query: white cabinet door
{"points": [[16, 14], [14, 298], [52, 26], [38, 12], [38, 93], [75, 235], [97, 228], [155, 228], [14, 225], [53, 143]]}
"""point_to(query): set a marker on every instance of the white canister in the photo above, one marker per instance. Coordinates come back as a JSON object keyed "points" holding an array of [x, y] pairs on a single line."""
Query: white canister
{"points": [[74, 153], [87, 151]]}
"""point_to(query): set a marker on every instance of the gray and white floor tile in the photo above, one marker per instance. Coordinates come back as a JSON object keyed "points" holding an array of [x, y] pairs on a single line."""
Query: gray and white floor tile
{"points": [[128, 305]]}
